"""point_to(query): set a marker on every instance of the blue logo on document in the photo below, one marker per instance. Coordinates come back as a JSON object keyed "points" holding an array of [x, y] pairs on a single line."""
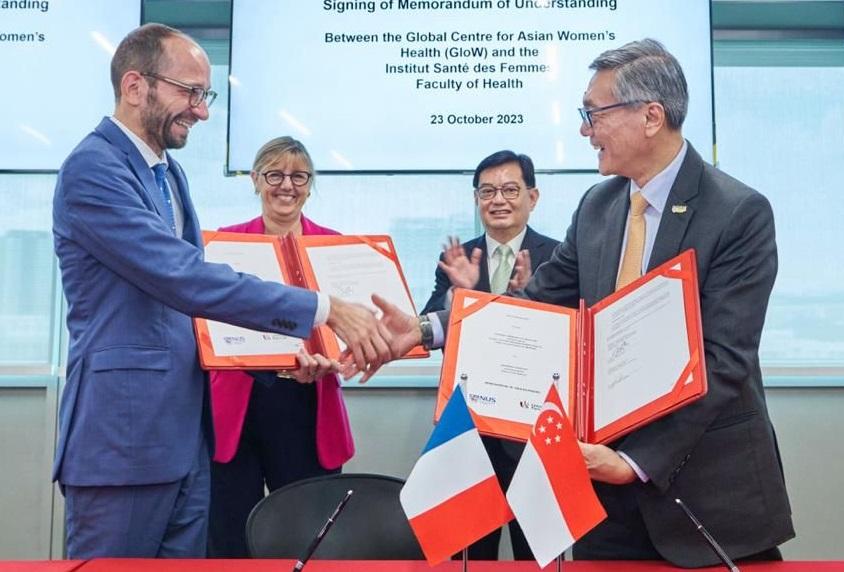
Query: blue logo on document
{"points": [[481, 399]]}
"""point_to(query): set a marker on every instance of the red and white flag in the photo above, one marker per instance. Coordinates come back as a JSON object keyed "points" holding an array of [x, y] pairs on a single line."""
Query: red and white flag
{"points": [[551, 493]]}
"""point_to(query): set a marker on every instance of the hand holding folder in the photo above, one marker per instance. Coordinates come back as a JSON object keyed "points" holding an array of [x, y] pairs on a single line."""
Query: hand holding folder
{"points": [[347, 268], [631, 358]]}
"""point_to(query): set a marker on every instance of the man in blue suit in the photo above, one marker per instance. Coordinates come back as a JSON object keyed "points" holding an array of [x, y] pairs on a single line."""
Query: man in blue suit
{"points": [[132, 457]]}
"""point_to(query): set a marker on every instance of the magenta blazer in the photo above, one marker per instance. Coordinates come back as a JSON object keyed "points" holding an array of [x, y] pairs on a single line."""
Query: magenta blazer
{"points": [[230, 391]]}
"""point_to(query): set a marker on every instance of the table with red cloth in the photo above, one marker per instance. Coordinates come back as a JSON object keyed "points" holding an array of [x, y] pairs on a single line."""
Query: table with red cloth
{"points": [[175, 565], [40, 566]]}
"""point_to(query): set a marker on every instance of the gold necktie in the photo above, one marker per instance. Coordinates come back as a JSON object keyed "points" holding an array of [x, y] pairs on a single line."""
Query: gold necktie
{"points": [[631, 262]]}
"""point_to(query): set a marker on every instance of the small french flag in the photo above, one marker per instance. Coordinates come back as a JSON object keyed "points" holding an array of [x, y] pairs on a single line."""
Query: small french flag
{"points": [[452, 497]]}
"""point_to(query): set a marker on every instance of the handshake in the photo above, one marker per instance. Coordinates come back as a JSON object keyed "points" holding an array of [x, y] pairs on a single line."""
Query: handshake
{"points": [[371, 342]]}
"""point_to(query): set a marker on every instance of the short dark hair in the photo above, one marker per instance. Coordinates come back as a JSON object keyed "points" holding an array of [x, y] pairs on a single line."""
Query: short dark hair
{"points": [[507, 156], [141, 50], [646, 71]]}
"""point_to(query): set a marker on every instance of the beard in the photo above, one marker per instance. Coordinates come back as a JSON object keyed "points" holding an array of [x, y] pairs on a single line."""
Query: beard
{"points": [[158, 124]]}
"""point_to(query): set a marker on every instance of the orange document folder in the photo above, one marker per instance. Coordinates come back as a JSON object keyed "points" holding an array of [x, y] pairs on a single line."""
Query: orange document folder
{"points": [[348, 267], [630, 359]]}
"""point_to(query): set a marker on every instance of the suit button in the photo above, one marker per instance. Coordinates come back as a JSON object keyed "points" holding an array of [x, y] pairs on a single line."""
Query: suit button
{"points": [[284, 324]]}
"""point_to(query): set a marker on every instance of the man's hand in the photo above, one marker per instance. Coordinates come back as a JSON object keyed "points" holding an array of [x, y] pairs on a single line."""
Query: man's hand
{"points": [[521, 271], [311, 367], [402, 330], [606, 465], [367, 340], [463, 272]]}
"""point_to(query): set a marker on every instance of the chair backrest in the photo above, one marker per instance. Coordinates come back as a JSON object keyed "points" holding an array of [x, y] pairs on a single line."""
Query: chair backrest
{"points": [[372, 526]]}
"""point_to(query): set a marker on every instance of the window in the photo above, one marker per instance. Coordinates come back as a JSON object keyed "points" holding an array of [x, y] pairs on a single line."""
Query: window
{"points": [[27, 273], [780, 130]]}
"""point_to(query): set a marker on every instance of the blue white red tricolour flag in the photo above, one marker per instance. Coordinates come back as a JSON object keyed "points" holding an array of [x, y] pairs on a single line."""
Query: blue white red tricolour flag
{"points": [[551, 493], [452, 497]]}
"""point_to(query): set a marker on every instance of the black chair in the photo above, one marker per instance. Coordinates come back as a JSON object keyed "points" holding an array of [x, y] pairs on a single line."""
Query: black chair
{"points": [[372, 526]]}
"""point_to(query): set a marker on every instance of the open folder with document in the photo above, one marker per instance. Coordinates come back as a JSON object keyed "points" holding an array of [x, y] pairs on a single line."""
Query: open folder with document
{"points": [[348, 267], [631, 358]]}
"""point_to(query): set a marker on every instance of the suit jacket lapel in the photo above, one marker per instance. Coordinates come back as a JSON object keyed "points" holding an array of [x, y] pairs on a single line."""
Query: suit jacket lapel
{"points": [[532, 242], [673, 225], [114, 135], [191, 232], [483, 281], [610, 252]]}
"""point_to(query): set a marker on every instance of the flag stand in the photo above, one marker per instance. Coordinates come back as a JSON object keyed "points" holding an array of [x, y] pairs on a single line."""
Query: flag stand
{"points": [[466, 559]]}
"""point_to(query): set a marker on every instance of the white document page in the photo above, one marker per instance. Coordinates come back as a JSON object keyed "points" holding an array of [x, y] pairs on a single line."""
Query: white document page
{"points": [[354, 272], [258, 259], [641, 348], [509, 355]]}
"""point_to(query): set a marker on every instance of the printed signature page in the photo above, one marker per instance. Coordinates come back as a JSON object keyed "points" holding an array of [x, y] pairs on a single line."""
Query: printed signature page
{"points": [[509, 355], [354, 272], [641, 348], [258, 259]]}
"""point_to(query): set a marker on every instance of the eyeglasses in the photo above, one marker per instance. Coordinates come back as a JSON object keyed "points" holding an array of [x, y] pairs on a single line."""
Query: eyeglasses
{"points": [[297, 178], [587, 113], [197, 94], [487, 192]]}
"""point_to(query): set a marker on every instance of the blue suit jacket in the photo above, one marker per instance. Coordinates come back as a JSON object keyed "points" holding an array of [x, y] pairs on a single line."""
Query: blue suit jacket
{"points": [[132, 409]]}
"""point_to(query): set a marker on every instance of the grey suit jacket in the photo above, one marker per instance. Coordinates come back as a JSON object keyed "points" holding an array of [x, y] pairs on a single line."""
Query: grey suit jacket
{"points": [[718, 454]]}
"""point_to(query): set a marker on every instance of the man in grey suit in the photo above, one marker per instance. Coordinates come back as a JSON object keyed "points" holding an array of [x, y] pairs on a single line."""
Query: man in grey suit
{"points": [[718, 454], [132, 456], [505, 195]]}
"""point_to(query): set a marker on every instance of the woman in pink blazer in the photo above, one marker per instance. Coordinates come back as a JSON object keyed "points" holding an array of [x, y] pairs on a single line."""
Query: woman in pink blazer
{"points": [[275, 431]]}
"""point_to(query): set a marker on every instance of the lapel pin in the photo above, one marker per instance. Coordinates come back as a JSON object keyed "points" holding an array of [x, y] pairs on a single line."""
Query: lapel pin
{"points": [[678, 209]]}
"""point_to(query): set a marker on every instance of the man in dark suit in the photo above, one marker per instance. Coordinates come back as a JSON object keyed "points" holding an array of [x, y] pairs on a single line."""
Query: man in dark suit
{"points": [[505, 195], [718, 454], [132, 457]]}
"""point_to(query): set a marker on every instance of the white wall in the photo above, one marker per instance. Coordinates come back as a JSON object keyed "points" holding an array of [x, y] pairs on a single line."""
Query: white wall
{"points": [[391, 426]]}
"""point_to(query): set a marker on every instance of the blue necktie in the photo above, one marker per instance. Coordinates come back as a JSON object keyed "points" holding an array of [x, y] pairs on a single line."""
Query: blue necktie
{"points": [[160, 170]]}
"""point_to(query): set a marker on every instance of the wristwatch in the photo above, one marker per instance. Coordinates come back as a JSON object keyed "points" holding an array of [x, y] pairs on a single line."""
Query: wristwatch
{"points": [[427, 331]]}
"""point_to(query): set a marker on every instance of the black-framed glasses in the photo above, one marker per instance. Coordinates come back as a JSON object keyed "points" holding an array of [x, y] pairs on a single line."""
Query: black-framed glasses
{"points": [[509, 192], [586, 113], [197, 94], [297, 178]]}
